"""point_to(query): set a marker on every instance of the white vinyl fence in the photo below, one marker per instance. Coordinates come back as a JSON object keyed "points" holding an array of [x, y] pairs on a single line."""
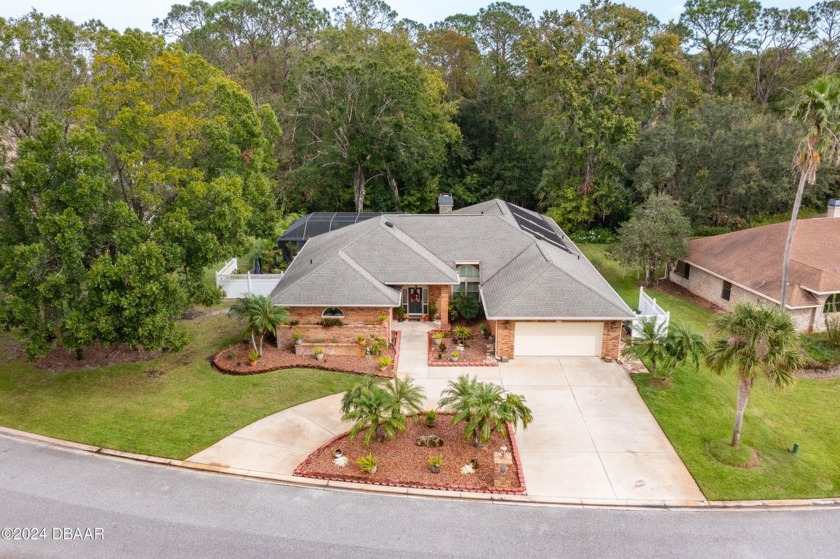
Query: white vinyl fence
{"points": [[237, 286], [648, 308]]}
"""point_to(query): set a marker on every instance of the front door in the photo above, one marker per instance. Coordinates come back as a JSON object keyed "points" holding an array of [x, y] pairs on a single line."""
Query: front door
{"points": [[415, 300]]}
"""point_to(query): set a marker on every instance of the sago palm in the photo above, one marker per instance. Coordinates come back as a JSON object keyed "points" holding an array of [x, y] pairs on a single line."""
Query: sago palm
{"points": [[819, 109], [375, 412], [483, 407], [757, 341], [407, 396], [262, 316]]}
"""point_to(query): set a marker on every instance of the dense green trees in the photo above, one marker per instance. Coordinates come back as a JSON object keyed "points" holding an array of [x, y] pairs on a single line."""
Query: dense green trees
{"points": [[118, 147]]}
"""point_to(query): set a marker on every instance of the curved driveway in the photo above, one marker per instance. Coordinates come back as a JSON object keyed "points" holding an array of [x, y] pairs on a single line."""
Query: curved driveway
{"points": [[152, 511]]}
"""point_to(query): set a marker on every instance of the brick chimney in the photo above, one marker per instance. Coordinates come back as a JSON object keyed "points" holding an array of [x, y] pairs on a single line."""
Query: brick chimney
{"points": [[833, 207], [445, 203]]}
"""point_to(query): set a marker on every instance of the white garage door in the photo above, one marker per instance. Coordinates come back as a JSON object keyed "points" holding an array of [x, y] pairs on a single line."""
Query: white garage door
{"points": [[557, 339]]}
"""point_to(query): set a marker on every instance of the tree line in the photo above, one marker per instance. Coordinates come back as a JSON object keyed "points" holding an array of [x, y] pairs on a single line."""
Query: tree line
{"points": [[130, 161]]}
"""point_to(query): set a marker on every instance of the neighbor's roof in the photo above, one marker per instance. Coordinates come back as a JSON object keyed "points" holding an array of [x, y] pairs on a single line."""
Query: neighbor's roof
{"points": [[753, 257], [529, 269]]}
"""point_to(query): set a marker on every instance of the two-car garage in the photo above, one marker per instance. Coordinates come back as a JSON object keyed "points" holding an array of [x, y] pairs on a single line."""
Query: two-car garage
{"points": [[557, 339]]}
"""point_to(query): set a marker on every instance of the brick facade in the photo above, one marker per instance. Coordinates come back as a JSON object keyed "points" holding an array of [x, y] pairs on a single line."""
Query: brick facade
{"points": [[357, 321], [503, 331], [710, 287], [440, 295]]}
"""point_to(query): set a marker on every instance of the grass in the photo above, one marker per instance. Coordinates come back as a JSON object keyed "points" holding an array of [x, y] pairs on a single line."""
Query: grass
{"points": [[697, 410], [186, 409]]}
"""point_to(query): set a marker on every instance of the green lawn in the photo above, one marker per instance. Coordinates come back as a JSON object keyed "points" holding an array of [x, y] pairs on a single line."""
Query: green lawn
{"points": [[698, 409], [187, 408]]}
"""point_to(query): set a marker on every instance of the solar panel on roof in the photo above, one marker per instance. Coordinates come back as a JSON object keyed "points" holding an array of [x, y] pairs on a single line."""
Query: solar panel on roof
{"points": [[536, 225]]}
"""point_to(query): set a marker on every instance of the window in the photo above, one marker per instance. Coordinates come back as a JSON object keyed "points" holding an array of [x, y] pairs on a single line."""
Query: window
{"points": [[726, 293], [682, 268], [469, 276], [832, 304], [332, 312]]}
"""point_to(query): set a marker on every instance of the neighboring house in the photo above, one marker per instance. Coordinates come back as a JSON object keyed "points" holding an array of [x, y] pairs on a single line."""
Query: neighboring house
{"points": [[541, 296], [747, 266]]}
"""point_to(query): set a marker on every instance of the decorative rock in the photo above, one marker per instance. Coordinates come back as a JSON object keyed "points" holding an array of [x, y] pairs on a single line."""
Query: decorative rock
{"points": [[429, 440]]}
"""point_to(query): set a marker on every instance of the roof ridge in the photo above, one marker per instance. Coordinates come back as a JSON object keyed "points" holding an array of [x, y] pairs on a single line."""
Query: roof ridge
{"points": [[367, 276], [418, 249]]}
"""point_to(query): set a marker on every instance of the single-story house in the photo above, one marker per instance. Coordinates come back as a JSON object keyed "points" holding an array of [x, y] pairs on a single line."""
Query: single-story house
{"points": [[747, 266], [540, 295]]}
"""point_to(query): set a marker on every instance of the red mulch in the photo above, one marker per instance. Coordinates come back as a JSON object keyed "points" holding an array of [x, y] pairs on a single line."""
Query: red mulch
{"points": [[404, 464], [234, 360], [60, 359], [671, 288], [474, 354]]}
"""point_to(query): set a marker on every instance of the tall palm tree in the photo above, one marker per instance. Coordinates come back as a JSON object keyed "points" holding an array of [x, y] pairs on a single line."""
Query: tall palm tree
{"points": [[756, 341], [483, 407], [819, 109], [262, 316]]}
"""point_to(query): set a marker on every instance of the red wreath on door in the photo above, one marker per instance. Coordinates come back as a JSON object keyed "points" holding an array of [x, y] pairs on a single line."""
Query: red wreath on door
{"points": [[415, 297]]}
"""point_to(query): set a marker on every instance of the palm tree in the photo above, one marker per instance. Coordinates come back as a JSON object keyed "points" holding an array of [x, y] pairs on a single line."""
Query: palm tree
{"points": [[683, 344], [377, 410], [757, 341], [648, 344], [819, 109], [406, 395], [262, 316], [483, 407]]}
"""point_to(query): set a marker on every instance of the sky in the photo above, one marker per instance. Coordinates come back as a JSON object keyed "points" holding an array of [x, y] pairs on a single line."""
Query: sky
{"points": [[120, 14]]}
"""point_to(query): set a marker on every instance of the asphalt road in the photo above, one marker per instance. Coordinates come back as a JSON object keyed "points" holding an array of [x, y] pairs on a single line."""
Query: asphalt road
{"points": [[144, 510]]}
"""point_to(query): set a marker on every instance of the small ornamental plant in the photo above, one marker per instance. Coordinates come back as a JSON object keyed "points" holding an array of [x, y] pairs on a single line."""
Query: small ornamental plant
{"points": [[384, 362], [318, 353], [437, 338], [368, 464], [431, 418], [382, 318], [252, 357], [297, 336], [454, 355], [435, 461]]}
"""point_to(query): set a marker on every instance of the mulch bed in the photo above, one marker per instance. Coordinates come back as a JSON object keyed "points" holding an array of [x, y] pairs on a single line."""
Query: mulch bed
{"points": [[820, 374], [234, 360], [94, 357], [473, 355], [404, 464], [671, 288]]}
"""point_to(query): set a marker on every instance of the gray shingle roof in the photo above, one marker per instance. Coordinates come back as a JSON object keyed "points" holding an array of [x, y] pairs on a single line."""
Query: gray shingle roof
{"points": [[521, 276]]}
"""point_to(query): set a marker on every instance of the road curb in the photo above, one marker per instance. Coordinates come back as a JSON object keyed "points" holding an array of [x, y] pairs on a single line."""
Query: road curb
{"points": [[295, 481]]}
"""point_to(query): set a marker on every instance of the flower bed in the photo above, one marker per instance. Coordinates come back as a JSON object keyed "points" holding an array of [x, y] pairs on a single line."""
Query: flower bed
{"points": [[234, 360], [474, 354], [404, 464]]}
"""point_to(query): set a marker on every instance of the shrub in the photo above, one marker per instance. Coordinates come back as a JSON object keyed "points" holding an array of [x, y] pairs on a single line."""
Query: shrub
{"points": [[599, 235], [432, 309], [485, 330], [380, 410], [330, 322], [832, 326], [368, 463], [431, 417], [462, 334], [466, 306]]}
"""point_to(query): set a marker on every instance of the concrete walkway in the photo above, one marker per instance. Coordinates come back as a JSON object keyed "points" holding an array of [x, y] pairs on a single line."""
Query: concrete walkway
{"points": [[592, 438]]}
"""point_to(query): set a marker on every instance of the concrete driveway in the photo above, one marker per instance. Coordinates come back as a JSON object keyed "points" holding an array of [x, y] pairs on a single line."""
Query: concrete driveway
{"points": [[593, 437]]}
